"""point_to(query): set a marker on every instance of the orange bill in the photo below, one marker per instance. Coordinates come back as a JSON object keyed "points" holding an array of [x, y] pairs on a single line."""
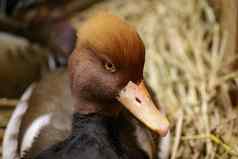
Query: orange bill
{"points": [[138, 101]]}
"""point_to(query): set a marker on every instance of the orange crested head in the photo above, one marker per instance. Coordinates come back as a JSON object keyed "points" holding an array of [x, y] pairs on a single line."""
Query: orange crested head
{"points": [[111, 37]]}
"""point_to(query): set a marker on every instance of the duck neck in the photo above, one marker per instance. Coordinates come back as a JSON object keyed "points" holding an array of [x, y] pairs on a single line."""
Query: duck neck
{"points": [[108, 108], [84, 106], [88, 122]]}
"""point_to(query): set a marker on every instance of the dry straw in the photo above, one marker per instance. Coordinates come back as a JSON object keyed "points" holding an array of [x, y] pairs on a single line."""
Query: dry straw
{"points": [[189, 70]]}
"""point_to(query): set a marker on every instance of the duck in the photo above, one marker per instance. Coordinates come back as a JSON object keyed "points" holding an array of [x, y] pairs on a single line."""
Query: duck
{"points": [[30, 51], [99, 107]]}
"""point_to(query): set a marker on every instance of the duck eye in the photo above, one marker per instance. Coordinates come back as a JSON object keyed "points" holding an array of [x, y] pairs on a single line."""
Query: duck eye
{"points": [[110, 67]]}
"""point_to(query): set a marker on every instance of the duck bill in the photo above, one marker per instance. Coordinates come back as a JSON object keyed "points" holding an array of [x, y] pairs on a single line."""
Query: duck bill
{"points": [[138, 101]]}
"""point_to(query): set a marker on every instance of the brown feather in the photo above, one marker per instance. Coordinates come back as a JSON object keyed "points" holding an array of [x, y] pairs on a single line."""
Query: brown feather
{"points": [[110, 36]]}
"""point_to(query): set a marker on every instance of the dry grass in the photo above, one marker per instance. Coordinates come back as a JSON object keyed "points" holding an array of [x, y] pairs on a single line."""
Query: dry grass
{"points": [[189, 70]]}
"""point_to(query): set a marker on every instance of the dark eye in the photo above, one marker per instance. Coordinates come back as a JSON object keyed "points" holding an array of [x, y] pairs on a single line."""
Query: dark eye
{"points": [[110, 67]]}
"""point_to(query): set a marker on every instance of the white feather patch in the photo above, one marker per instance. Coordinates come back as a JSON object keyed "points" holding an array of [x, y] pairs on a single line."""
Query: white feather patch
{"points": [[33, 132], [164, 146], [10, 141]]}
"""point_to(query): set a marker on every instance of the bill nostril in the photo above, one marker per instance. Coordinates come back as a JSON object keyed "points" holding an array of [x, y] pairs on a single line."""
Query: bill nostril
{"points": [[138, 100]]}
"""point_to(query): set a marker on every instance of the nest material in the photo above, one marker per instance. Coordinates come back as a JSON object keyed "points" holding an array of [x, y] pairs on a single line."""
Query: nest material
{"points": [[190, 71]]}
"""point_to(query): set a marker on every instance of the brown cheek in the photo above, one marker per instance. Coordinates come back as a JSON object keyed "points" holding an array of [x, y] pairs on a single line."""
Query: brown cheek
{"points": [[106, 85], [75, 71], [112, 85], [88, 79]]}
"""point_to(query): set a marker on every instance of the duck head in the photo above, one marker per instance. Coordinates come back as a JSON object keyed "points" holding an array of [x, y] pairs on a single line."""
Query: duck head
{"points": [[106, 72]]}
